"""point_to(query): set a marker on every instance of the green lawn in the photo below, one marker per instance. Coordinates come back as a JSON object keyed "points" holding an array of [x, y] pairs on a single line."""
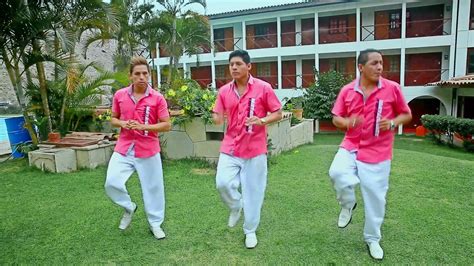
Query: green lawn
{"points": [[67, 218]]}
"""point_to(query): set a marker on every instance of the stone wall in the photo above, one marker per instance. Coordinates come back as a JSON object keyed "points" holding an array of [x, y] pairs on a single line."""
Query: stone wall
{"points": [[197, 140], [102, 54]]}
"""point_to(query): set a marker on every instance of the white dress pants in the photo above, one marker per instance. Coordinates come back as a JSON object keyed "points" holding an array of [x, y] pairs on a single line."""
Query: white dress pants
{"points": [[150, 173], [346, 172], [251, 175]]}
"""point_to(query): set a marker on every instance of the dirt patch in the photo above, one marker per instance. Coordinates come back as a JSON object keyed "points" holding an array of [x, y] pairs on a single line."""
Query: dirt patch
{"points": [[203, 171]]}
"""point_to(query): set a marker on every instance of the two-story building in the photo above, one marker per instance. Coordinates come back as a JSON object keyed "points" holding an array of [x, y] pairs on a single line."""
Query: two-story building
{"points": [[422, 42]]}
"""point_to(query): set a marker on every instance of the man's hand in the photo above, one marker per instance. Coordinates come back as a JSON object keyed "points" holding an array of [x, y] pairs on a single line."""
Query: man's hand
{"points": [[385, 124], [135, 125], [253, 121]]}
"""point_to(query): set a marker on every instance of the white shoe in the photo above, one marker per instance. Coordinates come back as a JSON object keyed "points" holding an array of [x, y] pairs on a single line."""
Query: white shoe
{"points": [[127, 218], [158, 232], [375, 250], [251, 240], [234, 217], [345, 216]]}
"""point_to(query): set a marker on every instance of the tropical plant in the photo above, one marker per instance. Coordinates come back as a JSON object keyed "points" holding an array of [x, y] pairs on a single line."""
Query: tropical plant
{"points": [[187, 95], [187, 32], [319, 98]]}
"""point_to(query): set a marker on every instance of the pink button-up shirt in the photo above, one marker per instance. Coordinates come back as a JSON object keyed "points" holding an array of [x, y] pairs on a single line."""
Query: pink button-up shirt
{"points": [[238, 141], [148, 110], [350, 101]]}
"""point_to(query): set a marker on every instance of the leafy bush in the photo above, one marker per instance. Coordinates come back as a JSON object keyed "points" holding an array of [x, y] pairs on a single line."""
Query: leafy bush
{"points": [[449, 126], [187, 95], [319, 98]]}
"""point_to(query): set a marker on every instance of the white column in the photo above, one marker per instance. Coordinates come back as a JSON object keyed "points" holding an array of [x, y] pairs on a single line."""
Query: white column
{"points": [[452, 49], [402, 67], [404, 20], [299, 73], [298, 39], [244, 36], [316, 61], [213, 73], [357, 65], [158, 79], [279, 31], [316, 29], [185, 71], [358, 24], [279, 73], [400, 129], [212, 40]]}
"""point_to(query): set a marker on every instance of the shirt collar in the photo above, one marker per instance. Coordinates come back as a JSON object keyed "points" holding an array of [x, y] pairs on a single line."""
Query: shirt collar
{"points": [[250, 82], [357, 83], [147, 91]]}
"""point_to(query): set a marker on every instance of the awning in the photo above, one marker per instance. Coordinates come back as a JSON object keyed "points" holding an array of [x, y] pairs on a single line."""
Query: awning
{"points": [[457, 82]]}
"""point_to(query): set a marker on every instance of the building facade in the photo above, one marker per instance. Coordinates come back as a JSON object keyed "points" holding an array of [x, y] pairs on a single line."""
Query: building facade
{"points": [[422, 42]]}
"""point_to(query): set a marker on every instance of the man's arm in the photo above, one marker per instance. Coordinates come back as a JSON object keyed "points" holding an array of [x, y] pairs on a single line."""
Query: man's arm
{"points": [[218, 118], [116, 122], [163, 126], [401, 119], [270, 118], [345, 123]]}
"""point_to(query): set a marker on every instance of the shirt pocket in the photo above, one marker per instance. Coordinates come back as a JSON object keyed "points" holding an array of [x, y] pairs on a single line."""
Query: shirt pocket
{"points": [[354, 105]]}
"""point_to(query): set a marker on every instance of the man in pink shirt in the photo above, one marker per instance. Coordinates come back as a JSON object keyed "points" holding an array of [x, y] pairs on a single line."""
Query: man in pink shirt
{"points": [[369, 109], [140, 112], [249, 104]]}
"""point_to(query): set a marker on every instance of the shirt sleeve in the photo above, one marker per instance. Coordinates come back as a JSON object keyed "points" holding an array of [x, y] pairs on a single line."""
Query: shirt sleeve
{"points": [[162, 108], [401, 106], [115, 104], [339, 108], [272, 102], [219, 104]]}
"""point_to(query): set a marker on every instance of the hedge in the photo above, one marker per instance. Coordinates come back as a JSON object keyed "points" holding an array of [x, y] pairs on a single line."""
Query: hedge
{"points": [[441, 125]]}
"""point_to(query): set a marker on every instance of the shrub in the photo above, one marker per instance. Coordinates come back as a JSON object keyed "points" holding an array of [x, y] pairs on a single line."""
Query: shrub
{"points": [[449, 126]]}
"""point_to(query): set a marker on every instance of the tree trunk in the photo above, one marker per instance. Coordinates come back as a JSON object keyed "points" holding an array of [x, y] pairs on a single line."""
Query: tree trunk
{"points": [[15, 79], [43, 87], [56, 53], [171, 53]]}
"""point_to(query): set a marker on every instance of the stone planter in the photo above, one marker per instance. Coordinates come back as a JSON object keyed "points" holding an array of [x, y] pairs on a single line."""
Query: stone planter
{"points": [[197, 140]]}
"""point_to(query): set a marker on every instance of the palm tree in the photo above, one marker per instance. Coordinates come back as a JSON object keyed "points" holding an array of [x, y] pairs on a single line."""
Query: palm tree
{"points": [[188, 30]]}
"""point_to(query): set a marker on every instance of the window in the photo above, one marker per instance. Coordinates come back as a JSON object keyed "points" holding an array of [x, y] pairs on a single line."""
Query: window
{"points": [[338, 25], [338, 64], [395, 20], [394, 64], [220, 71], [470, 60], [471, 17], [262, 30], [219, 34], [264, 70]]}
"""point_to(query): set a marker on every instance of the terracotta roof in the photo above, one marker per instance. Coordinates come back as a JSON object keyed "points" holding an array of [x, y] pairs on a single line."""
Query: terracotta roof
{"points": [[461, 81], [273, 8]]}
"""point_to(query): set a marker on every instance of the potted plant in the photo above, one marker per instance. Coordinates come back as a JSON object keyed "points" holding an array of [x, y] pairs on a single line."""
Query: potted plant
{"points": [[297, 110]]}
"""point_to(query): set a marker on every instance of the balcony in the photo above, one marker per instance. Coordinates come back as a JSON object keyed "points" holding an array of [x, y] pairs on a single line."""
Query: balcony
{"points": [[429, 27], [392, 75], [261, 41], [227, 44], [297, 38], [421, 77]]}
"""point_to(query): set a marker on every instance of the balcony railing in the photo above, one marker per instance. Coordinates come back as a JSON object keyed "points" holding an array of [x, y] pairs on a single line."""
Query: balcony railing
{"points": [[431, 27], [347, 34], [227, 44], [423, 76], [392, 75], [262, 41], [381, 31], [204, 83], [297, 38]]}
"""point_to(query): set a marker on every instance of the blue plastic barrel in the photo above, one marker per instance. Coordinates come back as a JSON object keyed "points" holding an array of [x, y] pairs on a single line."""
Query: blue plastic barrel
{"points": [[17, 134]]}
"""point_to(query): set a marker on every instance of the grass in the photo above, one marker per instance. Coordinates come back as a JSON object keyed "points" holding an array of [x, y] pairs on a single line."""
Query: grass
{"points": [[67, 218]]}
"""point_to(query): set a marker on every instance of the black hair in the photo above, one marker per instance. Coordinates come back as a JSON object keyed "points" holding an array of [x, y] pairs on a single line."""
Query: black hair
{"points": [[242, 54], [364, 56]]}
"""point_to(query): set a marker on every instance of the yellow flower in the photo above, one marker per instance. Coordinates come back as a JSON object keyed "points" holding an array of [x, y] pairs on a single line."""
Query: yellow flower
{"points": [[205, 96], [171, 93], [187, 107], [184, 88], [100, 117]]}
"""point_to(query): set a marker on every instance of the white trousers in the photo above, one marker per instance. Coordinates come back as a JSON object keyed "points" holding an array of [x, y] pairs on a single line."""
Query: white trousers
{"points": [[346, 172], [251, 175], [150, 173]]}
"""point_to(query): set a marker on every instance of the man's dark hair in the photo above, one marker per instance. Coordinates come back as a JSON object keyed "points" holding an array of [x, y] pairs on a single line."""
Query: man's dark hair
{"points": [[364, 56], [242, 54]]}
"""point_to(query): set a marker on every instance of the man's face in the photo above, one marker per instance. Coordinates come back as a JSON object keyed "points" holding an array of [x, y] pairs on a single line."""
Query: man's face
{"points": [[238, 68], [139, 76], [372, 70]]}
